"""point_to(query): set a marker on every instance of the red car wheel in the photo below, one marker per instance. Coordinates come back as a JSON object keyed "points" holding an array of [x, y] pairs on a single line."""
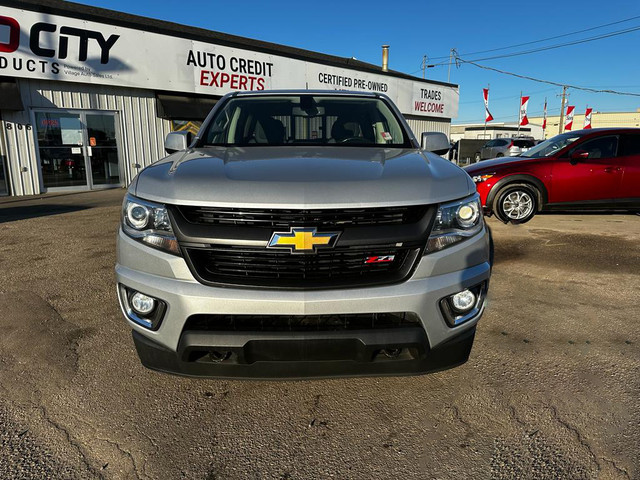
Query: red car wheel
{"points": [[516, 203]]}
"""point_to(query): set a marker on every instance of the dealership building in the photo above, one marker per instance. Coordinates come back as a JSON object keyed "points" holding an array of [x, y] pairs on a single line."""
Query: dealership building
{"points": [[87, 95]]}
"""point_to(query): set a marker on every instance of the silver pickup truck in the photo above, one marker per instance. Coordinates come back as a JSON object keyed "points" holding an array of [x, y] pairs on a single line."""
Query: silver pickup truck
{"points": [[303, 234]]}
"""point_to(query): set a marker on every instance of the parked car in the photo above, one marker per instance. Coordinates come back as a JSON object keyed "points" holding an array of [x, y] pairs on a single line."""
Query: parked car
{"points": [[504, 147], [303, 233], [586, 169]]}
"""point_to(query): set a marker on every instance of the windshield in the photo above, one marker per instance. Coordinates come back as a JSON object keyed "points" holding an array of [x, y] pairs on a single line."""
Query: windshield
{"points": [[551, 146], [305, 120]]}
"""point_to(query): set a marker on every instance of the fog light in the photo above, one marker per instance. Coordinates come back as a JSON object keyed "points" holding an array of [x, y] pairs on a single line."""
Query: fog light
{"points": [[142, 309], [463, 306], [463, 301], [142, 304]]}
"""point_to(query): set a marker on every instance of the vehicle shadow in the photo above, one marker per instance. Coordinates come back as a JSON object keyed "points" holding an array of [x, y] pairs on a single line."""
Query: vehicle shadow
{"points": [[589, 212], [12, 214]]}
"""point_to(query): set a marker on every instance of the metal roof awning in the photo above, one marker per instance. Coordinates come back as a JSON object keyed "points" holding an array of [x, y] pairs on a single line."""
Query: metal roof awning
{"points": [[182, 107], [10, 94]]}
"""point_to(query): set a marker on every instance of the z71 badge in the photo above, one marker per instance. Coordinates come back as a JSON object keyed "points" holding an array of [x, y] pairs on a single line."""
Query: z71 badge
{"points": [[380, 259]]}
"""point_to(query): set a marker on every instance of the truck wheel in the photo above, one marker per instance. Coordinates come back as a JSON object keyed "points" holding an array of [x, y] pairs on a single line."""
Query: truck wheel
{"points": [[516, 203], [500, 155], [476, 157]]}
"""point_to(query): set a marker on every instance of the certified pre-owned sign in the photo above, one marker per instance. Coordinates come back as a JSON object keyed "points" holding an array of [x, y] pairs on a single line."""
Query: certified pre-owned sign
{"points": [[34, 45]]}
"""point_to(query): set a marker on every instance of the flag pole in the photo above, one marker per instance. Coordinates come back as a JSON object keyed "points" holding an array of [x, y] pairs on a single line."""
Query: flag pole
{"points": [[484, 135], [519, 113], [544, 121]]}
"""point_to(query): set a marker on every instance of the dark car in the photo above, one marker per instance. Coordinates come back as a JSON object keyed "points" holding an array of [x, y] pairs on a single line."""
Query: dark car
{"points": [[587, 169]]}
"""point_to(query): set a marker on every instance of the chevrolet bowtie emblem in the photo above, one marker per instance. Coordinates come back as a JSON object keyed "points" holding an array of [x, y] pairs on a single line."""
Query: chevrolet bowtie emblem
{"points": [[303, 240]]}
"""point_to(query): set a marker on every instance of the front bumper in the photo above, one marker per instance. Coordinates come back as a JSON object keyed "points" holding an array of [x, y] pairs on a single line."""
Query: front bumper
{"points": [[432, 345], [366, 346]]}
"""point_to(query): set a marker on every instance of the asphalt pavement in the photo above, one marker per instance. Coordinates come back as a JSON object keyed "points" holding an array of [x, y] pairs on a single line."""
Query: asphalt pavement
{"points": [[551, 390]]}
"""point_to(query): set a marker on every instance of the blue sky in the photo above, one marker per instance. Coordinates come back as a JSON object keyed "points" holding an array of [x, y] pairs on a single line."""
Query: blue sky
{"points": [[417, 28]]}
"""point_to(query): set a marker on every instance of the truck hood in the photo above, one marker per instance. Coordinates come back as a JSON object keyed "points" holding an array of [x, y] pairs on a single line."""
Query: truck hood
{"points": [[302, 177]]}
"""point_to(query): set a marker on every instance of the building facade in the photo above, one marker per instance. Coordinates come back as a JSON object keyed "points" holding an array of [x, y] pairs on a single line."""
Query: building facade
{"points": [[598, 120], [480, 131], [88, 95]]}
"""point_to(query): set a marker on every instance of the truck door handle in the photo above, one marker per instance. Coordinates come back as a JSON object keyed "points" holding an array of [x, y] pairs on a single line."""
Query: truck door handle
{"points": [[609, 169]]}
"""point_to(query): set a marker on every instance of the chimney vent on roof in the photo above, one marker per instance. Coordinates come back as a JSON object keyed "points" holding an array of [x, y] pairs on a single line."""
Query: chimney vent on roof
{"points": [[385, 58]]}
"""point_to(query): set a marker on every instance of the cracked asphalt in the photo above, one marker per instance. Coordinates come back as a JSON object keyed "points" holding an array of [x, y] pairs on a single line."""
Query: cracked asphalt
{"points": [[551, 389]]}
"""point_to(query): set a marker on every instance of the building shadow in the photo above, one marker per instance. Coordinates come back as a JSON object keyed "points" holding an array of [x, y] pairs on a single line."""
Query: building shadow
{"points": [[12, 214]]}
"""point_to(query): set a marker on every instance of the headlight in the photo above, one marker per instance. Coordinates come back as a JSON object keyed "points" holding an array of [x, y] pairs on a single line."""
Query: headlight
{"points": [[482, 178], [149, 223], [455, 222]]}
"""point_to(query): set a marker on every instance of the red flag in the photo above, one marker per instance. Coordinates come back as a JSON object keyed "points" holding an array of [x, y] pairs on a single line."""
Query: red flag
{"points": [[524, 101], [487, 114], [587, 118], [544, 116], [568, 119]]}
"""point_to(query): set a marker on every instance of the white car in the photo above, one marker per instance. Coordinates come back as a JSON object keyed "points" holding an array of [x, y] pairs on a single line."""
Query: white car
{"points": [[504, 147]]}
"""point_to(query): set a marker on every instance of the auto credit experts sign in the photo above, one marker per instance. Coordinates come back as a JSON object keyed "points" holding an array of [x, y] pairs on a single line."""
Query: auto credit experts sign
{"points": [[33, 45]]}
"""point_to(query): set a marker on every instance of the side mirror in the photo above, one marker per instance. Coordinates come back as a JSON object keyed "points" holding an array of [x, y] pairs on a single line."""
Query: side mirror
{"points": [[176, 141], [435, 142], [578, 155]]}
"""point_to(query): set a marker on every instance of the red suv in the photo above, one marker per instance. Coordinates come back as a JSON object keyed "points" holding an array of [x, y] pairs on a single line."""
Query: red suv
{"points": [[587, 169]]}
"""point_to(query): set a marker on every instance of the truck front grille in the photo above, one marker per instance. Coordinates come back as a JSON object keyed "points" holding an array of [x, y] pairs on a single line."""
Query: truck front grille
{"points": [[338, 267], [278, 218], [228, 246]]}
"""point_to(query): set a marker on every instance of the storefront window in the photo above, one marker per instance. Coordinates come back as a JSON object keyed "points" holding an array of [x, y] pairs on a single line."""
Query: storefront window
{"points": [[77, 149]]}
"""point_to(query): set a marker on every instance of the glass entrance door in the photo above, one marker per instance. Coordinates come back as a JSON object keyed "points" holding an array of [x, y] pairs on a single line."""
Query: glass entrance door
{"points": [[77, 149], [102, 149], [60, 142]]}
